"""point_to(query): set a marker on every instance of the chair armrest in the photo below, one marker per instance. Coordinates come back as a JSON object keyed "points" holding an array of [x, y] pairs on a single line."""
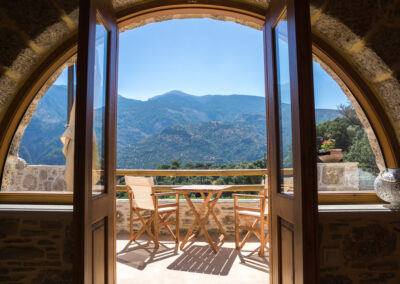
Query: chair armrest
{"points": [[249, 195], [247, 209], [167, 204], [157, 194], [261, 198]]}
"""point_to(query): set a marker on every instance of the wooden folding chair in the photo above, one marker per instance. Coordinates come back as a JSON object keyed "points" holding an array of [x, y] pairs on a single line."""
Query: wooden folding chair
{"points": [[258, 216], [142, 197]]}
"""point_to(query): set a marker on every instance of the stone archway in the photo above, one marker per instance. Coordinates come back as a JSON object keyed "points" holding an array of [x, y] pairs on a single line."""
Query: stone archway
{"points": [[32, 37]]}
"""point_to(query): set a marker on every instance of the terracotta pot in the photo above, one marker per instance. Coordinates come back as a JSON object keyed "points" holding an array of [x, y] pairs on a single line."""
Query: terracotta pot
{"points": [[335, 155]]}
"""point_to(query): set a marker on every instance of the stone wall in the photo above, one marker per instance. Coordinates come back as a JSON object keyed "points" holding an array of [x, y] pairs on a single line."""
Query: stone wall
{"points": [[35, 247], [22, 177], [223, 209], [366, 33], [359, 247], [355, 247], [338, 176]]}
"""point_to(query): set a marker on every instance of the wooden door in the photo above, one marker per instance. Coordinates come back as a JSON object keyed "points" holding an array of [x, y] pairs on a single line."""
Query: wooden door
{"points": [[291, 143], [95, 139]]}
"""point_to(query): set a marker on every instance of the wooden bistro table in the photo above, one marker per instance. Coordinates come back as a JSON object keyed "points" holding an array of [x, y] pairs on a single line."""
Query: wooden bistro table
{"points": [[206, 191]]}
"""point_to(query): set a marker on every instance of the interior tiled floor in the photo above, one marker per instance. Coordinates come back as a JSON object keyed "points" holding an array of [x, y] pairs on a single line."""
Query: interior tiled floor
{"points": [[139, 262]]}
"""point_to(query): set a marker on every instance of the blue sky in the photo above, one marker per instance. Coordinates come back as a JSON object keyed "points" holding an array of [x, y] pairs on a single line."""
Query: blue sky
{"points": [[200, 57]]}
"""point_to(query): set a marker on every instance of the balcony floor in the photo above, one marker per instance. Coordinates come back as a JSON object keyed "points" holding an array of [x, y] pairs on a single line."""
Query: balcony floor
{"points": [[196, 265]]}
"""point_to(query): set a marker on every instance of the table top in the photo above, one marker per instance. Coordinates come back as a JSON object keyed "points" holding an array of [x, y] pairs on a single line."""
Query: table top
{"points": [[201, 187]]}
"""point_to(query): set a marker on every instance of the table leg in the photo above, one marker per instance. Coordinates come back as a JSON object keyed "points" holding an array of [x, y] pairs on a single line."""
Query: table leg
{"points": [[195, 221], [211, 211], [215, 216], [203, 223]]}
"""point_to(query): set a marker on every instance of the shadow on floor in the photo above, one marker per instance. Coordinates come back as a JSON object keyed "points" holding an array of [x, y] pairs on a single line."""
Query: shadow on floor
{"points": [[139, 254], [250, 258], [201, 259]]}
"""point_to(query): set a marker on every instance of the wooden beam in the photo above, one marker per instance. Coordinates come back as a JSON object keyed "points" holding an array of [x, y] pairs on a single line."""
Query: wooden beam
{"points": [[348, 197], [36, 197]]}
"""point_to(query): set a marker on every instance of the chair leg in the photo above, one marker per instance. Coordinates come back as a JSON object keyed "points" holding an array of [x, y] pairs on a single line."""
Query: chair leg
{"points": [[262, 236], [131, 237], [177, 225], [156, 229], [266, 238], [236, 229]]}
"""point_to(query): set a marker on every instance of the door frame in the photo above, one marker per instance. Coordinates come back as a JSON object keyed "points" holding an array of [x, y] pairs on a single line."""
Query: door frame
{"points": [[58, 57], [294, 218], [94, 216]]}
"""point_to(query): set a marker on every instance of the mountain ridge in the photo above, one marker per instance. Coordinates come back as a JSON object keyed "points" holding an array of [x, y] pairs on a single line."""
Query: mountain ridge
{"points": [[140, 121]]}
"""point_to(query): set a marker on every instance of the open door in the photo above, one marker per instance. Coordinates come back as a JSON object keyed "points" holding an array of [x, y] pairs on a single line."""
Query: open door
{"points": [[95, 139], [291, 143]]}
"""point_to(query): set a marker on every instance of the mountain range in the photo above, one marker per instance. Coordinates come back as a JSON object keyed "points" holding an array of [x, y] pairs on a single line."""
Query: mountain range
{"points": [[174, 125]]}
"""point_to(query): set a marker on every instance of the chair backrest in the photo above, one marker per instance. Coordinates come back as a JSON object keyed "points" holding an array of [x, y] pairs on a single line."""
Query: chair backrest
{"points": [[142, 190]]}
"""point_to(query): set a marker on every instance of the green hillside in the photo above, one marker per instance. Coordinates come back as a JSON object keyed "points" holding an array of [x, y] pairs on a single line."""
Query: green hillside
{"points": [[214, 142], [175, 125]]}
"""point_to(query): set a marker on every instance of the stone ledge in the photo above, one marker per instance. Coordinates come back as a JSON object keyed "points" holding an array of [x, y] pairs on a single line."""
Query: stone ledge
{"points": [[355, 208], [36, 208]]}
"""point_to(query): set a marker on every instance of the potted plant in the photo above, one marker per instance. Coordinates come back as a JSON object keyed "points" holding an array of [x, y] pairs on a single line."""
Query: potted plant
{"points": [[328, 152]]}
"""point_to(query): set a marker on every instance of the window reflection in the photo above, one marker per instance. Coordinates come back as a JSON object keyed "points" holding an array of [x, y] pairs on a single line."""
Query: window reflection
{"points": [[100, 87], [347, 159], [284, 104]]}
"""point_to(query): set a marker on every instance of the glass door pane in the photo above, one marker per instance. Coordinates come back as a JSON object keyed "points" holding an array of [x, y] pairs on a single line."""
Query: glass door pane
{"points": [[99, 108], [284, 105]]}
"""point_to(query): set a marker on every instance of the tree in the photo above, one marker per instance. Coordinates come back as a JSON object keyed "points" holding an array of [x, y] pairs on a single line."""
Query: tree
{"points": [[350, 137], [336, 129], [349, 114], [361, 152]]}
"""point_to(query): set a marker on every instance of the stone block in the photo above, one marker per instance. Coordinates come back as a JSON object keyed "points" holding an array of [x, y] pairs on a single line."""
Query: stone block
{"points": [[53, 255], [17, 241], [333, 175], [335, 279], [42, 12], [368, 242], [338, 176], [42, 263], [45, 243], [68, 244], [228, 219], [30, 222], [43, 174], [29, 182], [59, 184], [4, 271], [14, 263], [33, 233], [9, 226], [20, 164], [11, 44], [20, 253], [53, 276], [50, 225], [23, 269], [47, 249], [384, 266]]}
